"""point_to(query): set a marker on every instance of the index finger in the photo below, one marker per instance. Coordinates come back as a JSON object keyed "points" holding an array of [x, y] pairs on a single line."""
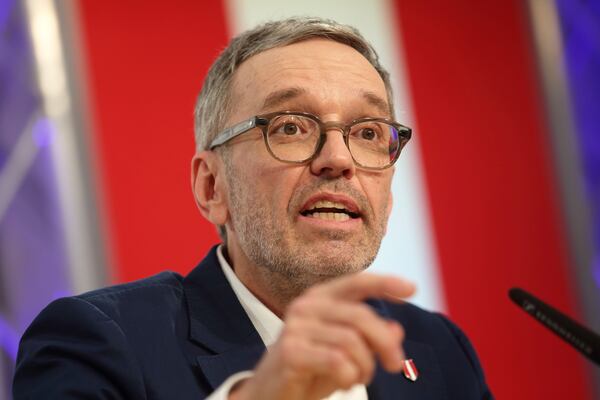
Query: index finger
{"points": [[361, 286]]}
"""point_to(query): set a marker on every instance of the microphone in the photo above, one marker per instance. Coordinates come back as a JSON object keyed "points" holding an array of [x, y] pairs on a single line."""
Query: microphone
{"points": [[583, 339]]}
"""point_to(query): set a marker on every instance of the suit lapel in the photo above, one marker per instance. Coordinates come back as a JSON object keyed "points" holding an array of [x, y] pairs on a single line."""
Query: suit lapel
{"points": [[219, 324], [217, 368]]}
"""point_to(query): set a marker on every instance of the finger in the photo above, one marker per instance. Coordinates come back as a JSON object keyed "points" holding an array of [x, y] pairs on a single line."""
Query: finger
{"points": [[343, 338], [397, 333], [376, 331], [308, 360], [361, 286], [382, 336]]}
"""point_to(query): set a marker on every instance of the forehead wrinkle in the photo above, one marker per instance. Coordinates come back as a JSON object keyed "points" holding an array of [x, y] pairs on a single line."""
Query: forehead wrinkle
{"points": [[308, 75], [283, 96]]}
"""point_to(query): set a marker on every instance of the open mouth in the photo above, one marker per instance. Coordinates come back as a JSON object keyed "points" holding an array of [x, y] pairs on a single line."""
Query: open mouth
{"points": [[329, 210]]}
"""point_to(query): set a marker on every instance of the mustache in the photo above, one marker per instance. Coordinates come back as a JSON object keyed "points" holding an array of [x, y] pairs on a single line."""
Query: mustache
{"points": [[338, 186]]}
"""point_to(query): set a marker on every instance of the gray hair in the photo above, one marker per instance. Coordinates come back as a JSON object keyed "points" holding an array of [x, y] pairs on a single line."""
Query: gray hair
{"points": [[213, 103]]}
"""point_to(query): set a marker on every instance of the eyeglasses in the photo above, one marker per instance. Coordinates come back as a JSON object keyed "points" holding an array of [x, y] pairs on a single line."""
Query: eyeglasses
{"points": [[297, 137]]}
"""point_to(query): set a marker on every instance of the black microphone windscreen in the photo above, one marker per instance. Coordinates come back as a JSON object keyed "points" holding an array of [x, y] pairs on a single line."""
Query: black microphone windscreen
{"points": [[577, 335]]}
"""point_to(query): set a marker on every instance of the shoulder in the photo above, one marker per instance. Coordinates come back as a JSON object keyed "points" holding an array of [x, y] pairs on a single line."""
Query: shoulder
{"points": [[164, 281], [141, 312], [157, 294], [146, 301], [98, 339]]}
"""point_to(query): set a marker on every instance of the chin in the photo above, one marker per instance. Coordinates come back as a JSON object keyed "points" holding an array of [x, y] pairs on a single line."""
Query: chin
{"points": [[337, 262]]}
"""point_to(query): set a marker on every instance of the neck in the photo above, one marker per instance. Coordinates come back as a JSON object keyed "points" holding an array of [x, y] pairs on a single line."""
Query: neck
{"points": [[274, 290]]}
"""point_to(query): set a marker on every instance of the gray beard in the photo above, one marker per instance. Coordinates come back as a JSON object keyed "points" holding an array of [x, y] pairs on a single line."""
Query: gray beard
{"points": [[284, 271]]}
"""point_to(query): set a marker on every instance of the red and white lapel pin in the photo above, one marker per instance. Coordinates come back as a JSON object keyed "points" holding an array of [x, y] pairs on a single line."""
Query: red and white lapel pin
{"points": [[410, 370]]}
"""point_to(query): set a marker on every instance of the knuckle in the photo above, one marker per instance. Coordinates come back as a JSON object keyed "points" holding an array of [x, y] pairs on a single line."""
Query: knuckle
{"points": [[336, 360], [348, 337], [301, 306], [345, 373], [348, 377], [347, 381], [364, 313], [288, 348], [292, 326]]}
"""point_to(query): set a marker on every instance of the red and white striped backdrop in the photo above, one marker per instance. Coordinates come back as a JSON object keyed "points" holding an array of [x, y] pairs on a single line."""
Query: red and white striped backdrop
{"points": [[474, 194]]}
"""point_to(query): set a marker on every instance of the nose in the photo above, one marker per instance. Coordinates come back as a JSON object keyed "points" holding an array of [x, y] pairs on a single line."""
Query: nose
{"points": [[334, 160]]}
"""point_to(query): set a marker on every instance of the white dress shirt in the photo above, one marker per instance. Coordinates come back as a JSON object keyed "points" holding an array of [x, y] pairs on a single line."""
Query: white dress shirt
{"points": [[268, 326]]}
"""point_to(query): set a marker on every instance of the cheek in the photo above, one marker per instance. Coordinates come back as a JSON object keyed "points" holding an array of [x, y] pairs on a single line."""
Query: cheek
{"points": [[378, 191], [279, 184], [267, 180]]}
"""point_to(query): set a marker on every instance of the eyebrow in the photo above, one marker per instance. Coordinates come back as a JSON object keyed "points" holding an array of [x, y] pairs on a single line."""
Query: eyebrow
{"points": [[279, 97], [377, 102]]}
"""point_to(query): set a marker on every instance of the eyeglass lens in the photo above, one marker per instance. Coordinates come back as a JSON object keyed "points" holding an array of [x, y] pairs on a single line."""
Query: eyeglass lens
{"points": [[295, 138]]}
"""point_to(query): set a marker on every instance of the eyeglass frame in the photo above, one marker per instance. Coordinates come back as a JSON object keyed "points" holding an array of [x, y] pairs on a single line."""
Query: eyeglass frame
{"points": [[263, 121]]}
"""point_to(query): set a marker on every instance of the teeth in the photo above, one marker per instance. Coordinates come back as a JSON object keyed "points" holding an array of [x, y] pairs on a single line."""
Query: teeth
{"points": [[328, 204], [330, 216]]}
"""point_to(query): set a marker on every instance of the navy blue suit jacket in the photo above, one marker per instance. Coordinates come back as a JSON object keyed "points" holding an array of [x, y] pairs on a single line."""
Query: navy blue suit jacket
{"points": [[169, 337]]}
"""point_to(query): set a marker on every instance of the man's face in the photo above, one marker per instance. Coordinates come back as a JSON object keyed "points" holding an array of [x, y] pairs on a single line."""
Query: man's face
{"points": [[272, 204]]}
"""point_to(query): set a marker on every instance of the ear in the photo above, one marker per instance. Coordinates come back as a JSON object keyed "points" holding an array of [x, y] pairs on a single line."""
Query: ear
{"points": [[209, 187]]}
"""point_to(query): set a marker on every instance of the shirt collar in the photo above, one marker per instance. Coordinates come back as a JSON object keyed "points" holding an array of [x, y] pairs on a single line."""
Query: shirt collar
{"points": [[266, 323]]}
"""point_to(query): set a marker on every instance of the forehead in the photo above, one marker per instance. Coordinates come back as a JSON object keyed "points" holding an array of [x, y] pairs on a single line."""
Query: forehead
{"points": [[320, 72]]}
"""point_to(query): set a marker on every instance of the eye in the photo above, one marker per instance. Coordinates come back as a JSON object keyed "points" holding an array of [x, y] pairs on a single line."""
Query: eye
{"points": [[290, 128], [371, 132], [289, 125], [368, 133]]}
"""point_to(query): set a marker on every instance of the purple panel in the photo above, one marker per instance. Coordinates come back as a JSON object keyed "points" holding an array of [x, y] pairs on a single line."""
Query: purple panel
{"points": [[33, 262], [580, 26]]}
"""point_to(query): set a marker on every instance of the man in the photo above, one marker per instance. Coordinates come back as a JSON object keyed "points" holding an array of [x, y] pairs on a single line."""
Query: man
{"points": [[295, 153]]}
